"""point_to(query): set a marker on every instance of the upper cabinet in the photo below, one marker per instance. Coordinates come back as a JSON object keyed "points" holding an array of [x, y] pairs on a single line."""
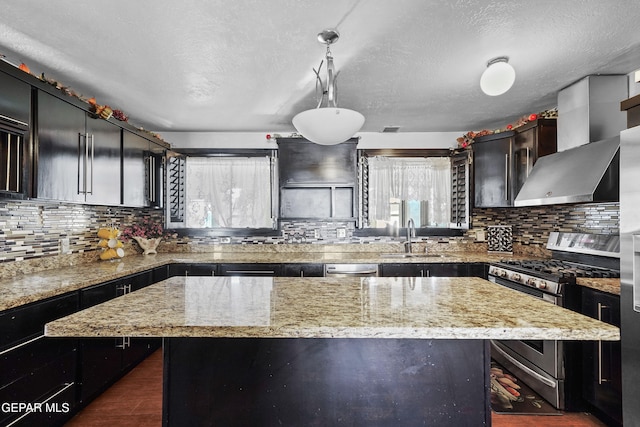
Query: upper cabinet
{"points": [[53, 147], [317, 181], [78, 157], [502, 162], [142, 163], [15, 107]]}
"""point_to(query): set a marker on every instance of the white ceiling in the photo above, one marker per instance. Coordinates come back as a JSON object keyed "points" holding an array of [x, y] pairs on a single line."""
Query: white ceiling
{"points": [[246, 65]]}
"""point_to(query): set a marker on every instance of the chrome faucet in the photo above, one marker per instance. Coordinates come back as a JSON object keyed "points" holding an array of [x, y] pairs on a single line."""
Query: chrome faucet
{"points": [[411, 232]]}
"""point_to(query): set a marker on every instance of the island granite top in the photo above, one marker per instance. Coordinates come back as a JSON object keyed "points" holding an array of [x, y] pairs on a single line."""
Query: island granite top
{"points": [[371, 307]]}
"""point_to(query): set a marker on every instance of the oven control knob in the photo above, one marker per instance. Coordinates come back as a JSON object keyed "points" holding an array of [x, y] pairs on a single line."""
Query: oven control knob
{"points": [[541, 285], [531, 282], [503, 273], [516, 277]]}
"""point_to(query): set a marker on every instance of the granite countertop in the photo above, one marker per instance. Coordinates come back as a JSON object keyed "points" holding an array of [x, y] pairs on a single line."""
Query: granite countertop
{"points": [[610, 286], [372, 307], [36, 286]]}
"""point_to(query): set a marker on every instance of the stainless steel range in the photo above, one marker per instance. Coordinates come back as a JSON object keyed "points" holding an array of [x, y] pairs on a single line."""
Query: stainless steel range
{"points": [[546, 366]]}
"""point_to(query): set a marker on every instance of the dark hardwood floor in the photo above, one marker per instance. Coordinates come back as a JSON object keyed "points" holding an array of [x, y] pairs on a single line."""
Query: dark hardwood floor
{"points": [[136, 401]]}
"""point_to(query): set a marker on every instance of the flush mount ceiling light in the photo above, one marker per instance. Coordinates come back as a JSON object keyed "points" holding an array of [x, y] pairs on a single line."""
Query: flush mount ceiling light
{"points": [[327, 124], [498, 77]]}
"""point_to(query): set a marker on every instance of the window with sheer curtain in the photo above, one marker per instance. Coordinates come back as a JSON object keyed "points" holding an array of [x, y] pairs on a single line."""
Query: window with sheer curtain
{"points": [[228, 192], [409, 187]]}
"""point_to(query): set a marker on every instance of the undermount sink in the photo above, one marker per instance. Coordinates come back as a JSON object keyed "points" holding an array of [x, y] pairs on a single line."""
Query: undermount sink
{"points": [[410, 255]]}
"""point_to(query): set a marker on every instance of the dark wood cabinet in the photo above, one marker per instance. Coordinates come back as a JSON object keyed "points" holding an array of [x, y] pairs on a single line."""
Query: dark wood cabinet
{"points": [[302, 270], [143, 165], [424, 270], [492, 156], [317, 181], [15, 101], [78, 157], [15, 107], [33, 368], [602, 359], [193, 269], [104, 360], [502, 162]]}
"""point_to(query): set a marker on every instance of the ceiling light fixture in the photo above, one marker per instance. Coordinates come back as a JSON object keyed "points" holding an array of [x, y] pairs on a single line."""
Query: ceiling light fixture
{"points": [[328, 125], [498, 77]]}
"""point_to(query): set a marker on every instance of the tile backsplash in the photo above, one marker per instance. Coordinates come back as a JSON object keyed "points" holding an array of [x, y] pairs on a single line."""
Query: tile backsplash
{"points": [[33, 231]]}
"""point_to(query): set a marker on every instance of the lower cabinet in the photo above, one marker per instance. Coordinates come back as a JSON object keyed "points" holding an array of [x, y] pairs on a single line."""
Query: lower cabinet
{"points": [[104, 360], [602, 359], [34, 369], [302, 270], [424, 270], [193, 269]]}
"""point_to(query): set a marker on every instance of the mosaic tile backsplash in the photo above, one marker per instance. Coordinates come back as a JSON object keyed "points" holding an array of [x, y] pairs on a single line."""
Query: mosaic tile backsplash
{"points": [[32, 231]]}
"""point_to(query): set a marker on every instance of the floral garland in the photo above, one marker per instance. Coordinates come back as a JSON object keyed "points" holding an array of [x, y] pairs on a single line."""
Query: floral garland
{"points": [[148, 228], [103, 111], [469, 138]]}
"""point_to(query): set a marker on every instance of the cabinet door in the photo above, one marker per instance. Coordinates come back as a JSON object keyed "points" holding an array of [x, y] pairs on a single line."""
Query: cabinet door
{"points": [[400, 270], [61, 150], [492, 173], [135, 151], [103, 173], [15, 102], [602, 359], [302, 270]]}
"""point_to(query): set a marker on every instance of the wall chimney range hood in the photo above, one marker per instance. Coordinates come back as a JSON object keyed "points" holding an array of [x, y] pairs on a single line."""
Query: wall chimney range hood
{"points": [[589, 125], [588, 173]]}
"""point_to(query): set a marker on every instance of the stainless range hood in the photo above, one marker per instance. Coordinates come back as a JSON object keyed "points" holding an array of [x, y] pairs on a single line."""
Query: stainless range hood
{"points": [[589, 125], [588, 173]]}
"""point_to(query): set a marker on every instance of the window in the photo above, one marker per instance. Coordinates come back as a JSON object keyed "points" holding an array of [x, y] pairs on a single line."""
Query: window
{"points": [[221, 192], [409, 187]]}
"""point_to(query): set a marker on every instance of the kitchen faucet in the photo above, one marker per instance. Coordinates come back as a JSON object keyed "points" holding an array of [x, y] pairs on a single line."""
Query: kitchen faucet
{"points": [[411, 232]]}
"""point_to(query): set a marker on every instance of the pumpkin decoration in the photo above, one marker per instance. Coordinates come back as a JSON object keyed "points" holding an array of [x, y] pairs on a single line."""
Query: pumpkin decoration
{"points": [[24, 67]]}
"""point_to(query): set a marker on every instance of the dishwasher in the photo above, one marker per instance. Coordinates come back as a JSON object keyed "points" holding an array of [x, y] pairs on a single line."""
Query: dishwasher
{"points": [[350, 270]]}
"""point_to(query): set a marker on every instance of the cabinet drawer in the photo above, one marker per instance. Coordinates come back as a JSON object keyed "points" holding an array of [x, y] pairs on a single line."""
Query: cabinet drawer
{"points": [[21, 323], [249, 269], [98, 294], [28, 358], [40, 384]]}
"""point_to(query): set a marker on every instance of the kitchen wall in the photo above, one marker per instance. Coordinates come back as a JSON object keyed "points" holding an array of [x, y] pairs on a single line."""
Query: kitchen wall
{"points": [[31, 232]]}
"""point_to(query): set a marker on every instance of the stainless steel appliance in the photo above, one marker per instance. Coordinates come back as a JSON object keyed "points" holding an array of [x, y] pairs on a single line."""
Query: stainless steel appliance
{"points": [[630, 273], [350, 270], [541, 364]]}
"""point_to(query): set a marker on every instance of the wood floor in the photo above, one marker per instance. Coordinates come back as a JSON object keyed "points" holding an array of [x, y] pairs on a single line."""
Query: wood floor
{"points": [[136, 401]]}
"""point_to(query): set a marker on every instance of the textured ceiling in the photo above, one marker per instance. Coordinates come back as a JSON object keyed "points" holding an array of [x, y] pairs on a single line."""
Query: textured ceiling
{"points": [[234, 65]]}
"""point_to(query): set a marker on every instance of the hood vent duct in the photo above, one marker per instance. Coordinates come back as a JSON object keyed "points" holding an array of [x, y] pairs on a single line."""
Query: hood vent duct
{"points": [[588, 173]]}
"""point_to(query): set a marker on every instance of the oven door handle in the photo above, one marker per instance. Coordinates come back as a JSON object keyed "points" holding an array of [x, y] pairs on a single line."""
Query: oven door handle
{"points": [[525, 368]]}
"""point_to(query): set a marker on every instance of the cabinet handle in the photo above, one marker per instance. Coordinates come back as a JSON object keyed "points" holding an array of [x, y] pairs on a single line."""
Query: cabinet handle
{"points": [[269, 272], [80, 163], [64, 387], [18, 162], [506, 177], [90, 138], [6, 187], [126, 343], [528, 160], [600, 378], [15, 347]]}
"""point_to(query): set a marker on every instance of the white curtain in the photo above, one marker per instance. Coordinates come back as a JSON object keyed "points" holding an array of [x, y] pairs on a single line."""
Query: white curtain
{"points": [[421, 179], [228, 192]]}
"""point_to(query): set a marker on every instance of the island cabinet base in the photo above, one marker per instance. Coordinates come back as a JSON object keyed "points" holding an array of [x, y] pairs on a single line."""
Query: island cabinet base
{"points": [[322, 382]]}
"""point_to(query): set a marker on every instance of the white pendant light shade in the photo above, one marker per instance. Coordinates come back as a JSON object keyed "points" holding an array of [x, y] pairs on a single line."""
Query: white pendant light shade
{"points": [[328, 125], [498, 77]]}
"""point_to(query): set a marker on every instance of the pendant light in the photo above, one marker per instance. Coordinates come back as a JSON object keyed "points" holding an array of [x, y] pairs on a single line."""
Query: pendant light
{"points": [[327, 124], [498, 77]]}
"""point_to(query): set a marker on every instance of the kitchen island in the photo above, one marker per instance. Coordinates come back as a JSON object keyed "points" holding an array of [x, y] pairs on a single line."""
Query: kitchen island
{"points": [[319, 351]]}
